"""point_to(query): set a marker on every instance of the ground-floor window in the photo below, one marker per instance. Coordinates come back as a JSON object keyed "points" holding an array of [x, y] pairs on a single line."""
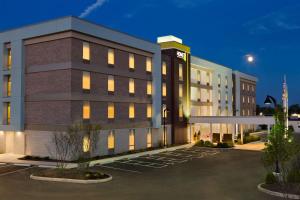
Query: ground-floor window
{"points": [[111, 140], [86, 143], [149, 138], [131, 139]]}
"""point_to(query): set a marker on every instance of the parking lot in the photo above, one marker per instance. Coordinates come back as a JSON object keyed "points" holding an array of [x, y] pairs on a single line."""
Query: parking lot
{"points": [[7, 168], [158, 161]]}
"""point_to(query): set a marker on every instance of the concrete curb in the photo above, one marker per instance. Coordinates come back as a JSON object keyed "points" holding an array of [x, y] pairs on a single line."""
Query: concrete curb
{"points": [[277, 194], [113, 159], [67, 180]]}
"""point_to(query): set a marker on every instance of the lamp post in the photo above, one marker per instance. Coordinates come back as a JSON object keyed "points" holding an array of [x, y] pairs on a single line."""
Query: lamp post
{"points": [[164, 121], [269, 100]]}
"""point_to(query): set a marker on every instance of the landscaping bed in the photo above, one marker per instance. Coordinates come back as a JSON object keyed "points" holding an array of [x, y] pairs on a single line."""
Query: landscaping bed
{"points": [[71, 175], [225, 145], [290, 188]]}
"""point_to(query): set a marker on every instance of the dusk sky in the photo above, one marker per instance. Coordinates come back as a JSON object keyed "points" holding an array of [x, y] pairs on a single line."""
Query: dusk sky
{"points": [[222, 31]]}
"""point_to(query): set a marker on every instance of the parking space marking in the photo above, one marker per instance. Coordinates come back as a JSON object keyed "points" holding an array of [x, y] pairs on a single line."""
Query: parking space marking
{"points": [[119, 169], [143, 164], [18, 170]]}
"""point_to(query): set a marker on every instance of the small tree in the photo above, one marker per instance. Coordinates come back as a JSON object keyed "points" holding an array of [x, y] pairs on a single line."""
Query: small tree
{"points": [[280, 147]]}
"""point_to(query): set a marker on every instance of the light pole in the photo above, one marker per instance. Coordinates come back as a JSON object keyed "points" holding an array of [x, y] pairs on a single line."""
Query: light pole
{"points": [[269, 100], [164, 121]]}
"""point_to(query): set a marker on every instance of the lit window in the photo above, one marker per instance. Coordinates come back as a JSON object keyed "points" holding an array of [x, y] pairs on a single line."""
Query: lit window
{"points": [[111, 111], [131, 140], [243, 112], [7, 109], [111, 140], [86, 51], [131, 111], [8, 62], [180, 111], [149, 110], [248, 112], [248, 87], [164, 114], [180, 91], [131, 61], [243, 86], [149, 64], [86, 80], [164, 68], [164, 89], [219, 95], [86, 144], [111, 57], [149, 88], [7, 82], [86, 110], [243, 99], [110, 84], [149, 138], [248, 99], [226, 97], [180, 72], [131, 86]]}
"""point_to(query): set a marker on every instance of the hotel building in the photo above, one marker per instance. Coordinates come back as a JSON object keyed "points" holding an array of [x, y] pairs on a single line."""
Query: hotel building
{"points": [[142, 94]]}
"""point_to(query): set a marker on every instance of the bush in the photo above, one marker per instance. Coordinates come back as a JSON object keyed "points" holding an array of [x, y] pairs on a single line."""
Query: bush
{"points": [[224, 145], [270, 178], [200, 143], [293, 176], [208, 144]]}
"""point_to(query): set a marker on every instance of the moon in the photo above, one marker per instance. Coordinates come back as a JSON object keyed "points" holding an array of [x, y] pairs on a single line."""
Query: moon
{"points": [[250, 58]]}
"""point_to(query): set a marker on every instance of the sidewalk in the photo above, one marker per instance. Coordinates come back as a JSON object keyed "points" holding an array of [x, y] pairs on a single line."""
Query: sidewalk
{"points": [[253, 146]]}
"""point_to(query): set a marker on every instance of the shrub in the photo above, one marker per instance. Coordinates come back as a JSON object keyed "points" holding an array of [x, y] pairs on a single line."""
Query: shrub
{"points": [[270, 178], [199, 143], [293, 176], [224, 145], [208, 144]]}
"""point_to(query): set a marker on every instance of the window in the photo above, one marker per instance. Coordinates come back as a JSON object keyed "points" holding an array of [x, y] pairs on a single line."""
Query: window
{"points": [[131, 86], [164, 68], [131, 139], [226, 81], [248, 87], [243, 86], [164, 114], [219, 111], [226, 110], [253, 100], [149, 88], [219, 96], [207, 78], [248, 99], [252, 88], [148, 64], [149, 138], [7, 83], [248, 112], [180, 91], [219, 80], [180, 111], [164, 90], [149, 110], [8, 61], [198, 76], [131, 61], [131, 111], [86, 80], [226, 97], [111, 111], [111, 140], [110, 84], [86, 110], [180, 72], [243, 99], [243, 112], [7, 115], [111, 57], [86, 51], [86, 143]]}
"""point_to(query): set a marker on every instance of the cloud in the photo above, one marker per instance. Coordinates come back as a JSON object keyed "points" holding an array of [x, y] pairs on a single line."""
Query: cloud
{"points": [[92, 7], [285, 19]]}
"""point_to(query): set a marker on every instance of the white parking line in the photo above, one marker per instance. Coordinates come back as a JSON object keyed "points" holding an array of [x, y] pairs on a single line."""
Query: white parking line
{"points": [[143, 164], [19, 170], [120, 169]]}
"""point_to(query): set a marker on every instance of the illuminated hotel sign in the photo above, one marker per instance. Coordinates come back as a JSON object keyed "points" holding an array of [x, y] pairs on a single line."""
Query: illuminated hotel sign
{"points": [[181, 55]]}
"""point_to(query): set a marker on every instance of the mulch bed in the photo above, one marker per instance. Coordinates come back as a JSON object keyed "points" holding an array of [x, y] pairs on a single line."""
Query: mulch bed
{"points": [[290, 188], [72, 174]]}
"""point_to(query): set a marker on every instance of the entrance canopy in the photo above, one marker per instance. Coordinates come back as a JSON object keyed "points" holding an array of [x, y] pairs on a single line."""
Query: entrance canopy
{"points": [[259, 120]]}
